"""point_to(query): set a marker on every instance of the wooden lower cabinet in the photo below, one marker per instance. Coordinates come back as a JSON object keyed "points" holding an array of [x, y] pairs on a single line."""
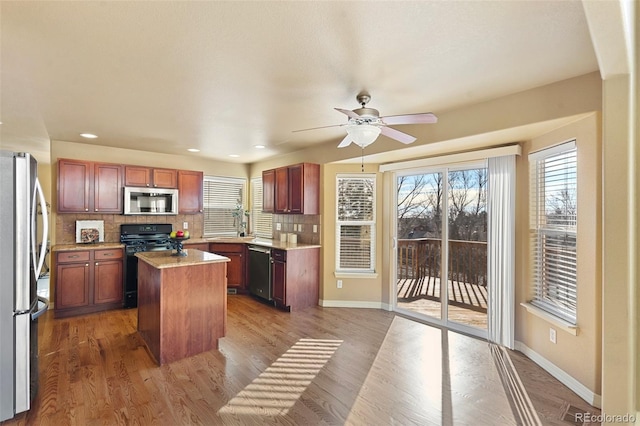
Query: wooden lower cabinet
{"points": [[295, 278], [88, 281], [197, 246], [237, 267]]}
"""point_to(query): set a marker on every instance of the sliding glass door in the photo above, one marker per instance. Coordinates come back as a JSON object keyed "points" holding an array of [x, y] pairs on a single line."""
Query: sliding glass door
{"points": [[442, 232]]}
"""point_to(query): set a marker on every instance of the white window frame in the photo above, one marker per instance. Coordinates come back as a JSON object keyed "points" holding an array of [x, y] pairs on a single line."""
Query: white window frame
{"points": [[261, 223], [371, 223], [229, 190], [554, 243]]}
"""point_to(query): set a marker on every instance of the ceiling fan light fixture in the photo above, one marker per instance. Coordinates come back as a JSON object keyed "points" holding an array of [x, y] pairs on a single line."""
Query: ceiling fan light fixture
{"points": [[363, 134]]}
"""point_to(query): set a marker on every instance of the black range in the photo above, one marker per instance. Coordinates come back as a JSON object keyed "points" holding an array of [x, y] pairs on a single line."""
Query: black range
{"points": [[137, 238]]}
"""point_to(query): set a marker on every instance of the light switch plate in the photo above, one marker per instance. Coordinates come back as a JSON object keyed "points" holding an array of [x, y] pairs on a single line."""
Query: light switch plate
{"points": [[185, 225], [278, 226]]}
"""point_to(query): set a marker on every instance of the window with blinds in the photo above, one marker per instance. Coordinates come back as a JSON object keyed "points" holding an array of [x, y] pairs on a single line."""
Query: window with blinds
{"points": [[355, 225], [554, 214], [261, 223], [221, 196]]}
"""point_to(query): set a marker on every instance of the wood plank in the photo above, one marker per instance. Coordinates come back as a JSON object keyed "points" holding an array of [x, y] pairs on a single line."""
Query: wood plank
{"points": [[387, 370]]}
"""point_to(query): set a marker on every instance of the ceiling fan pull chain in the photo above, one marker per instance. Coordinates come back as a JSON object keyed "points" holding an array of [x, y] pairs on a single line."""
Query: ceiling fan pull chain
{"points": [[362, 161]]}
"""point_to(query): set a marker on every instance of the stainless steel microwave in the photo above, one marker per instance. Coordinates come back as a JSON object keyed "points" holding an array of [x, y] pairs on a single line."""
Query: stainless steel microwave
{"points": [[150, 201]]}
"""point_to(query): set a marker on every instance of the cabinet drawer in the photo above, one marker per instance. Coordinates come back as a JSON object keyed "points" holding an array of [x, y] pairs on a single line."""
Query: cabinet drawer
{"points": [[226, 248], [73, 256], [108, 254], [280, 255]]}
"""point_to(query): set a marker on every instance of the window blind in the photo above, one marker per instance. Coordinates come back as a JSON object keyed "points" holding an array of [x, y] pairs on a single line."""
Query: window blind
{"points": [[221, 197], [355, 225], [261, 223], [553, 217]]}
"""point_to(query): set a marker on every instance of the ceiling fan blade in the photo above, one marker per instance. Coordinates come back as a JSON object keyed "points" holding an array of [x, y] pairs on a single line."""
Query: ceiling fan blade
{"points": [[345, 142], [422, 118], [316, 128], [348, 112], [397, 135]]}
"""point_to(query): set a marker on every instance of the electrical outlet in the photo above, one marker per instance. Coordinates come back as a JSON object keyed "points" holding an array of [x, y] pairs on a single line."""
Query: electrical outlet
{"points": [[300, 228], [278, 226], [315, 229], [185, 225], [339, 283], [552, 335]]}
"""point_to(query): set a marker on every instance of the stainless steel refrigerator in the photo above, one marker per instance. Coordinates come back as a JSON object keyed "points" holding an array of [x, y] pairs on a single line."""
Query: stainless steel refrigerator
{"points": [[22, 206]]}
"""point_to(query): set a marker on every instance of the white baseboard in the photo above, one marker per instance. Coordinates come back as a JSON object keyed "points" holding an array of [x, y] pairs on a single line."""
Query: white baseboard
{"points": [[569, 381], [353, 304]]}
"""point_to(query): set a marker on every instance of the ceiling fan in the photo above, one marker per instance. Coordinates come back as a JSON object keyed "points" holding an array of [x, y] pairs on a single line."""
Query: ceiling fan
{"points": [[365, 124]]}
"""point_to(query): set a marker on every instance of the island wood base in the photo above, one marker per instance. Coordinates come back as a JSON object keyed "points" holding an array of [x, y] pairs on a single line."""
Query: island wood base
{"points": [[182, 311]]}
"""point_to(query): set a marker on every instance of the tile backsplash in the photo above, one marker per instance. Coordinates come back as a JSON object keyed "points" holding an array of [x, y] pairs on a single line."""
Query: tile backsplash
{"points": [[66, 224], [301, 225]]}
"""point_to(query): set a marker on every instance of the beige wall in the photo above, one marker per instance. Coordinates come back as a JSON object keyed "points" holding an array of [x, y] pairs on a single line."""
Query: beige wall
{"points": [[578, 355], [355, 291]]}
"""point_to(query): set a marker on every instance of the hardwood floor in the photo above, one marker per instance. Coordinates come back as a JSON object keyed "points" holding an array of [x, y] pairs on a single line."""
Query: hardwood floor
{"points": [[328, 366]]}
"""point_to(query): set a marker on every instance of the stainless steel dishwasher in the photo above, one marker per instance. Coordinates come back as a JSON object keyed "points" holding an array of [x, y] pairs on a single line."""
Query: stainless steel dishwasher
{"points": [[260, 272]]}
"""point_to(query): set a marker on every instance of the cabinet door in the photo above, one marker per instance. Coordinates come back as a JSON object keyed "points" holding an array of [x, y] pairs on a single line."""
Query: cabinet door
{"points": [[137, 176], [165, 178], [282, 190], [107, 184], [72, 285], [235, 270], [107, 282], [279, 282], [296, 194], [73, 186], [268, 191], [189, 192]]}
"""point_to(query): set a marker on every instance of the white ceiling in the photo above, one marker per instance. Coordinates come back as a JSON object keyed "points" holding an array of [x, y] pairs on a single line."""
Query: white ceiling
{"points": [[226, 76]]}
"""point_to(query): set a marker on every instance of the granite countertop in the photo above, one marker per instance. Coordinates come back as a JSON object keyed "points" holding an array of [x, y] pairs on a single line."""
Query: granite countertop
{"points": [[86, 246], [264, 242], [164, 259]]}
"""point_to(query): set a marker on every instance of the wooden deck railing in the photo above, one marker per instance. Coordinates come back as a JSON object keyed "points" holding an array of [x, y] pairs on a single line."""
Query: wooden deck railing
{"points": [[421, 258]]}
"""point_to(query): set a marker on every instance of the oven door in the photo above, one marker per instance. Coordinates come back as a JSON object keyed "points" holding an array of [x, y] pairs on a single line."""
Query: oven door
{"points": [[131, 273]]}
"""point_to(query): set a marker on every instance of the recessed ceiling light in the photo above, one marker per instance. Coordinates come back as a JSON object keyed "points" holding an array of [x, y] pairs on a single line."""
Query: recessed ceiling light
{"points": [[88, 135], [234, 155], [193, 150], [260, 147]]}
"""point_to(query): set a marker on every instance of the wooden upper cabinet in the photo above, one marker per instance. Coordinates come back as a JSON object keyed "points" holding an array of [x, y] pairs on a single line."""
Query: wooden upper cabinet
{"points": [[165, 178], [73, 185], [150, 177], [137, 176], [107, 187], [87, 187], [190, 187], [282, 190], [296, 188], [268, 191]]}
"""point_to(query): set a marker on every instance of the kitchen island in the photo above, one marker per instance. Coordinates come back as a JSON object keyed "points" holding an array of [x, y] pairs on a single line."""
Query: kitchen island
{"points": [[182, 302]]}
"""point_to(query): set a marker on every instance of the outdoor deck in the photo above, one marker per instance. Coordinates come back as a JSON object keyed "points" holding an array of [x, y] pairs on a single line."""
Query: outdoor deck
{"points": [[419, 285]]}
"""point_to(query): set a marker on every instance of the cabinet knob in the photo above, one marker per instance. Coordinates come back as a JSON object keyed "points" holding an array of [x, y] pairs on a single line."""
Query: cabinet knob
{"points": [[86, 265], [97, 263], [147, 184], [86, 210], [96, 209], [154, 185]]}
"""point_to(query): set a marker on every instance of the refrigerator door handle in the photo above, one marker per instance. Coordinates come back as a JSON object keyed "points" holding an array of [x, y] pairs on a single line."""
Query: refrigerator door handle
{"points": [[42, 310], [37, 264]]}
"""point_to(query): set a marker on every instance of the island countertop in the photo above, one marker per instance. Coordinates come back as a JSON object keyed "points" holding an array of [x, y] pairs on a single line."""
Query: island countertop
{"points": [[165, 259]]}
